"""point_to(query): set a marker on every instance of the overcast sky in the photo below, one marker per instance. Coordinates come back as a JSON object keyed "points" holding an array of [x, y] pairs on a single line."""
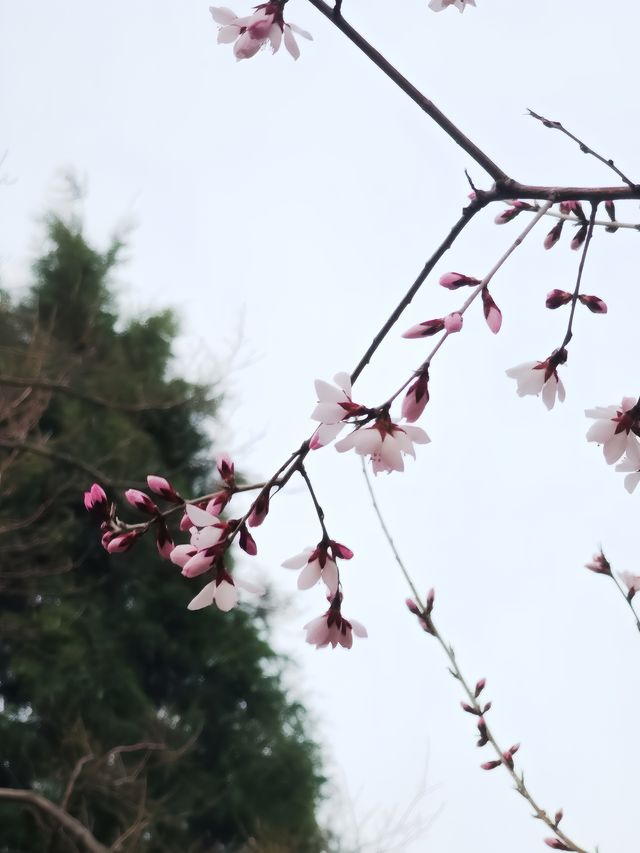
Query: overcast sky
{"points": [[285, 206]]}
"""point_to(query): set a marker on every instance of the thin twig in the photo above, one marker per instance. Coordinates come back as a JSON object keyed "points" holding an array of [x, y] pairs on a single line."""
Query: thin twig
{"points": [[478, 710], [576, 292], [556, 125]]}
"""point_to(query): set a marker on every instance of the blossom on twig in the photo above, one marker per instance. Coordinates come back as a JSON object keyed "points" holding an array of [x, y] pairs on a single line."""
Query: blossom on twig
{"points": [[385, 442], [616, 428], [252, 32], [319, 563], [535, 377], [333, 629]]}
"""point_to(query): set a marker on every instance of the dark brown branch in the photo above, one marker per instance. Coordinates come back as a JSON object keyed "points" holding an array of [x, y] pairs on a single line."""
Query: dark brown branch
{"points": [[73, 826], [409, 89], [95, 473], [556, 125], [62, 388], [467, 215]]}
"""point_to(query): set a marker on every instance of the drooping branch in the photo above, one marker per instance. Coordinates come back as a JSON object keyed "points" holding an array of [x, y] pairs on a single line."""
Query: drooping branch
{"points": [[504, 757], [73, 826]]}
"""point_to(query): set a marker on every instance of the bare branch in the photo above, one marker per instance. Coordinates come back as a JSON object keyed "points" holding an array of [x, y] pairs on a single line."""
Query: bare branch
{"points": [[73, 826], [556, 125]]}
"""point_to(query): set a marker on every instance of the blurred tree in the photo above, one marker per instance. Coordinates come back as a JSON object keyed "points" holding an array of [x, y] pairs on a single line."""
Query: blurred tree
{"points": [[157, 728]]}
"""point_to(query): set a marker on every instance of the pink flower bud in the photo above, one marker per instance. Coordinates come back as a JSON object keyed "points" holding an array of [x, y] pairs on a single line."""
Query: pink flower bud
{"points": [[185, 523], [416, 398], [506, 215], [164, 542], [568, 207], [454, 280], [121, 542], [226, 469], [556, 298], [599, 564], [579, 239], [200, 563], [559, 814], [470, 709], [556, 844], [453, 322], [490, 765], [163, 488], [593, 303], [340, 551], [141, 501], [425, 330], [412, 606], [95, 500], [554, 235], [247, 542], [218, 502], [492, 313], [431, 597], [480, 687], [260, 510], [487, 707]]}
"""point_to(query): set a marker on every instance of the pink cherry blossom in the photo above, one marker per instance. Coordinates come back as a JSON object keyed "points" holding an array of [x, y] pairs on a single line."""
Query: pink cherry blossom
{"points": [[631, 466], [439, 5], [333, 629], [535, 377], [632, 583], [226, 469], [385, 442], [333, 408], [252, 32], [223, 591], [616, 428], [319, 563], [599, 564]]}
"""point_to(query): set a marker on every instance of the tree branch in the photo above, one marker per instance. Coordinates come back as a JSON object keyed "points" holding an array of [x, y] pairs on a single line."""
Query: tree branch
{"points": [[78, 830]]}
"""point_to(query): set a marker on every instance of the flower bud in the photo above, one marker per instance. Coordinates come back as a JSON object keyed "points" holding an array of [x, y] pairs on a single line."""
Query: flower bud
{"points": [[454, 280], [593, 303], [141, 501], [162, 487], [556, 298]]}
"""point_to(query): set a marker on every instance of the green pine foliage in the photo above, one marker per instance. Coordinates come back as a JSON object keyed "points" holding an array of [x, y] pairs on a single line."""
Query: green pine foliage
{"points": [[98, 652]]}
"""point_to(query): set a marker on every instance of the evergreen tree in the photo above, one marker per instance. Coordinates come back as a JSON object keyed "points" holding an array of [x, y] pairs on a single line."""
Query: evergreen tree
{"points": [[99, 652]]}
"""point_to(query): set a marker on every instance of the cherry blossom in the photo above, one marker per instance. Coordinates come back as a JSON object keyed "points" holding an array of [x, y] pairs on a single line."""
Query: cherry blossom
{"points": [[333, 629], [632, 583], [599, 564], [223, 591], [439, 5], [316, 564], [252, 32], [333, 408], [616, 428], [631, 466], [535, 377], [385, 442]]}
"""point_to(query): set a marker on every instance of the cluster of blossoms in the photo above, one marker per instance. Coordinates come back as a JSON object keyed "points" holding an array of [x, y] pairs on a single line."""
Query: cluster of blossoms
{"points": [[376, 434], [570, 211], [210, 537]]}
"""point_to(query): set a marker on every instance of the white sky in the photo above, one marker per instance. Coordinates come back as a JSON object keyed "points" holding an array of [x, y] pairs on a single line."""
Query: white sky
{"points": [[297, 202]]}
